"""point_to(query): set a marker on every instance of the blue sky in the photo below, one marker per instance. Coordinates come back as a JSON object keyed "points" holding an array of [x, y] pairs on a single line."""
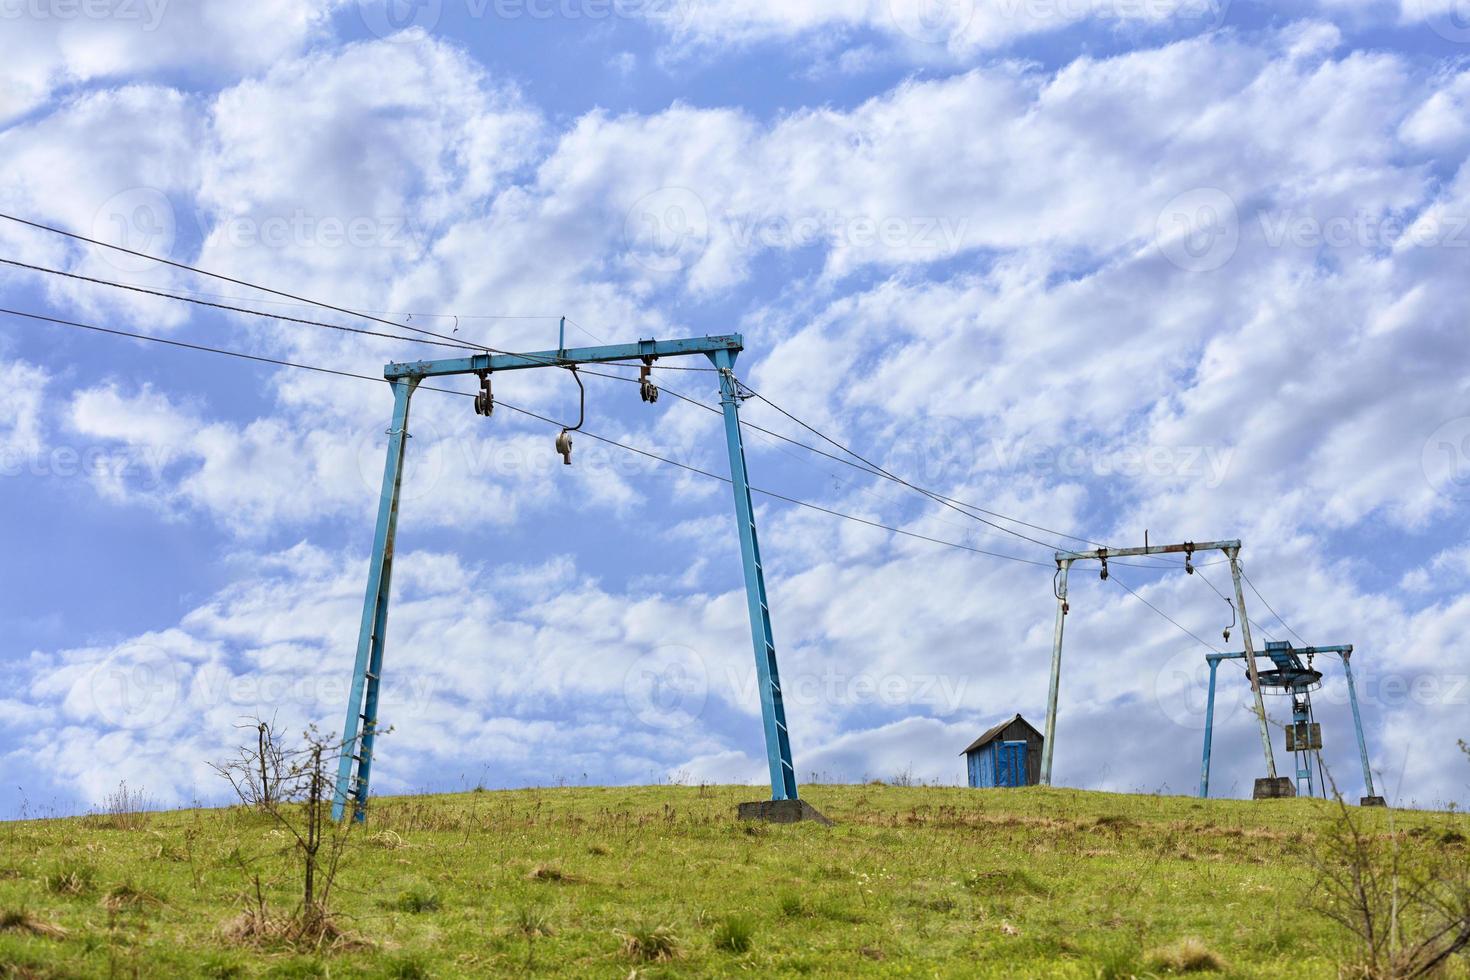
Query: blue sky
{"points": [[1104, 266]]}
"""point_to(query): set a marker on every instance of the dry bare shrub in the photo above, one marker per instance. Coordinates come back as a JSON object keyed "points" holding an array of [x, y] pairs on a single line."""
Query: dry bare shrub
{"points": [[1406, 905], [260, 768], [122, 809], [301, 792]]}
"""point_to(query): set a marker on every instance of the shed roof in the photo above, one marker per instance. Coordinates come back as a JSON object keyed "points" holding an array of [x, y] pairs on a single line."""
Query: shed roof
{"points": [[994, 733]]}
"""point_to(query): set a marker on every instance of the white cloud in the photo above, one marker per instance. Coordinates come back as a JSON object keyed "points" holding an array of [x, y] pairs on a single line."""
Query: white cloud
{"points": [[117, 166], [22, 393], [925, 28], [50, 46], [338, 169]]}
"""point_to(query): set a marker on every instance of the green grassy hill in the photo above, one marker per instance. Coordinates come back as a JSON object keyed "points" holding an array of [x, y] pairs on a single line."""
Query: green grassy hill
{"points": [[602, 881]]}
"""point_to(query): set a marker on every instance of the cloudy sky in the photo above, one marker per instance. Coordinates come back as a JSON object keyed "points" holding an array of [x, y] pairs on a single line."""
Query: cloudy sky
{"points": [[1190, 267]]}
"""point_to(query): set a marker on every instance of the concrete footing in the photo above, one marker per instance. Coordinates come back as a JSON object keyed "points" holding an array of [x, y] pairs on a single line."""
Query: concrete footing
{"points": [[1279, 788], [1372, 801], [782, 811]]}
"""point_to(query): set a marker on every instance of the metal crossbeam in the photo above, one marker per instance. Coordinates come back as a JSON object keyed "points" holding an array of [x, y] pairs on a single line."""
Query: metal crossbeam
{"points": [[1157, 549], [362, 725], [479, 363]]}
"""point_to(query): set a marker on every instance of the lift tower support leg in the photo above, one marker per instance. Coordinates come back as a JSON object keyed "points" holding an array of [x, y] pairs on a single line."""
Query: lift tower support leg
{"points": [[1064, 565], [1204, 766], [768, 677], [1372, 799], [1250, 663], [360, 729]]}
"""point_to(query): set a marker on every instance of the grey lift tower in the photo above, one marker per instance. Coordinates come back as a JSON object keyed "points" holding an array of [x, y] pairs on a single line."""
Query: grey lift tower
{"points": [[1272, 785]]}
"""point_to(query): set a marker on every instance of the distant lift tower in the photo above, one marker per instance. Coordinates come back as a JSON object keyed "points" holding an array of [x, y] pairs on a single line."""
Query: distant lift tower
{"points": [[1264, 787], [362, 725], [1292, 674]]}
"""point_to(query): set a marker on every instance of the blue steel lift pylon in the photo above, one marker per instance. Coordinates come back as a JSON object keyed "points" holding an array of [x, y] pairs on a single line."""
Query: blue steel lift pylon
{"points": [[362, 725], [1290, 675]]}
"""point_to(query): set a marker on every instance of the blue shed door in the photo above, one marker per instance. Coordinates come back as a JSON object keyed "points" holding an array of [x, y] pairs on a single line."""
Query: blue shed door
{"points": [[1010, 764]]}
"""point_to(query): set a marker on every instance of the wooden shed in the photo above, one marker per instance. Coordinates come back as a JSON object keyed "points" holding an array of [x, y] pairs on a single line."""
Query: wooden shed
{"points": [[1007, 755]]}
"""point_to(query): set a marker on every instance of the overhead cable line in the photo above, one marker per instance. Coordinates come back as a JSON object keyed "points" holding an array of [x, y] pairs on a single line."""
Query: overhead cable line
{"points": [[898, 479], [453, 340], [1273, 612], [500, 404], [1183, 629], [225, 278], [457, 344]]}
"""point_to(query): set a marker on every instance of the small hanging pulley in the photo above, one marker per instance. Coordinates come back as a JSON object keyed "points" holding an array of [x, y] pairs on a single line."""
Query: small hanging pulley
{"points": [[646, 388], [564, 440], [1103, 557], [1188, 557], [484, 399]]}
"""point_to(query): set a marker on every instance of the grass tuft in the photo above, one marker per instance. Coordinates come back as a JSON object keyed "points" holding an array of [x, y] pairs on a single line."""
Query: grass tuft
{"points": [[791, 904], [71, 879], [548, 872], [126, 896], [409, 966], [1186, 956], [735, 933], [415, 899], [388, 840], [650, 943], [19, 920], [1118, 964]]}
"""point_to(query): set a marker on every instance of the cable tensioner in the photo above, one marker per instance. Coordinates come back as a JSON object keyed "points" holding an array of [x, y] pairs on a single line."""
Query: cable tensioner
{"points": [[484, 399], [646, 388]]}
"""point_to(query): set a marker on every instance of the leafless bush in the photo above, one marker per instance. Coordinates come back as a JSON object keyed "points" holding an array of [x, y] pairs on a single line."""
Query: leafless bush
{"points": [[299, 784], [1404, 899], [259, 767]]}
